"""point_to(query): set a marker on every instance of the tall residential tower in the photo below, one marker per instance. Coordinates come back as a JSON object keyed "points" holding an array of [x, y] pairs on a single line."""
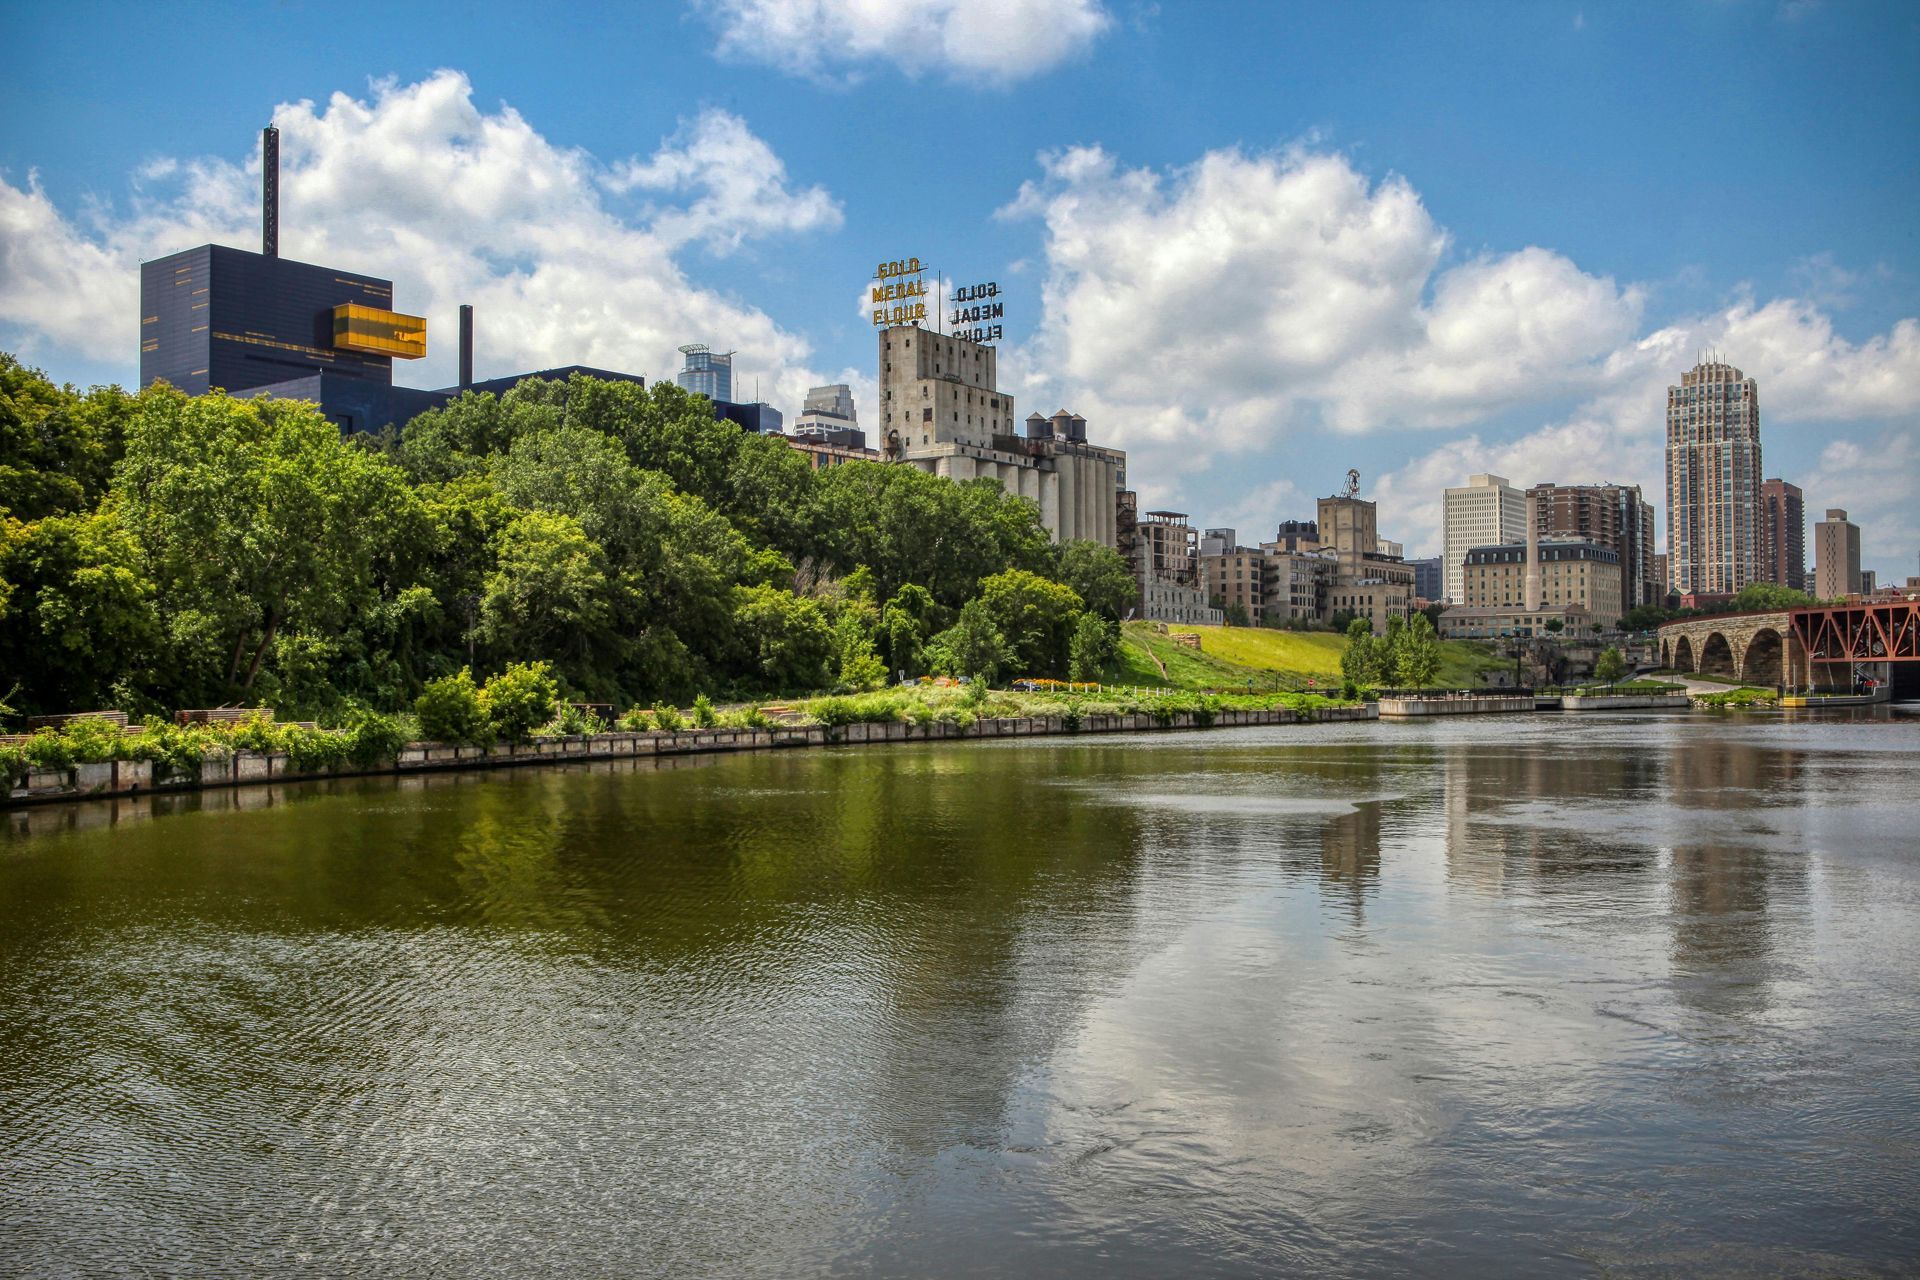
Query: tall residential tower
{"points": [[1713, 481], [1783, 534]]}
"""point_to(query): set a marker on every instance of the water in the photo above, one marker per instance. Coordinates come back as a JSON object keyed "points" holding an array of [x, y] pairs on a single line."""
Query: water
{"points": [[1581, 996]]}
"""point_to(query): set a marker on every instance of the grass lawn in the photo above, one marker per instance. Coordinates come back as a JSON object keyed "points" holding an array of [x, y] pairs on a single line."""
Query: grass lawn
{"points": [[1229, 656]]}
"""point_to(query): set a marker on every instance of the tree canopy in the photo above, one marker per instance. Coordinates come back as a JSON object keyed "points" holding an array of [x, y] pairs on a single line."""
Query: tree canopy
{"points": [[159, 550]]}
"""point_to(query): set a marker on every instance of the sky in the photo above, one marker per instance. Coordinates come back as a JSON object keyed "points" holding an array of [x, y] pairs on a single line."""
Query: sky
{"points": [[1252, 244]]}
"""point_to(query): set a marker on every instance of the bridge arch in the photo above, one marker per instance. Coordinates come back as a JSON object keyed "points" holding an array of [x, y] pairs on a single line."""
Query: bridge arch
{"points": [[1716, 656], [1765, 661], [1682, 659]]}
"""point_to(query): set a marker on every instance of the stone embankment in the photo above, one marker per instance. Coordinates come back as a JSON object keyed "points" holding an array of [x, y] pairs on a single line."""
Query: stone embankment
{"points": [[1626, 702], [1419, 708], [243, 768]]}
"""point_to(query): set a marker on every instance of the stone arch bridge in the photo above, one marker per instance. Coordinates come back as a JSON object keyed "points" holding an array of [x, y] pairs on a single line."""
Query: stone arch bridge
{"points": [[1757, 648]]}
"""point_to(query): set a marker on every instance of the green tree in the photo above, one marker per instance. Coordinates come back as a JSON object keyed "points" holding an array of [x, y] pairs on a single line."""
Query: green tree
{"points": [[1098, 575], [57, 448], [1757, 596], [786, 638], [905, 626], [520, 699], [450, 709], [1610, 666], [1096, 642], [973, 647], [1361, 662], [252, 516], [1036, 616], [1415, 651], [549, 594], [77, 617]]}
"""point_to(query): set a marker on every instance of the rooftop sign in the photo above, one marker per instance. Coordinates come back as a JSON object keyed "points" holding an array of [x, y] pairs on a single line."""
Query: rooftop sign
{"points": [[898, 293], [977, 305]]}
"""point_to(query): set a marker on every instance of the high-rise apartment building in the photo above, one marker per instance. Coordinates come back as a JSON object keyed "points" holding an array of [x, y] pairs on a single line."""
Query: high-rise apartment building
{"points": [[1836, 556], [1713, 480], [1486, 511], [1783, 534], [707, 372], [1609, 515]]}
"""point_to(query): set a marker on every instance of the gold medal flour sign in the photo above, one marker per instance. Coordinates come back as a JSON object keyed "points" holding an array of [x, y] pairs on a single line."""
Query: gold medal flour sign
{"points": [[899, 293]]}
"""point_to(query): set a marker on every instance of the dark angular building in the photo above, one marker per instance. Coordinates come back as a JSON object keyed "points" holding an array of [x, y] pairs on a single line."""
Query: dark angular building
{"points": [[257, 323]]}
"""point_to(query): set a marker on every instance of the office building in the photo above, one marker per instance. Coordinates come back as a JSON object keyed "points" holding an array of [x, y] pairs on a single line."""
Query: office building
{"points": [[1836, 556], [827, 417], [1609, 515], [1486, 511], [1428, 578], [1783, 534], [1713, 481], [1869, 582], [706, 372], [942, 412]]}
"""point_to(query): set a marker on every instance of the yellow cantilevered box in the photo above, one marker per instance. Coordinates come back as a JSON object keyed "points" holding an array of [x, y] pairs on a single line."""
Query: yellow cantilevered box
{"points": [[374, 332]]}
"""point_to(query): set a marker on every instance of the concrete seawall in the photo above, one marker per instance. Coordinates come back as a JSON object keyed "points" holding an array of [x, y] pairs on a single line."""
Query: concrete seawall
{"points": [[1420, 708], [1626, 702], [245, 768]]}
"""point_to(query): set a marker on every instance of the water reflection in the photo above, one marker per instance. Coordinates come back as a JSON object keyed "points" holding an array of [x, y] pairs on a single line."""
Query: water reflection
{"points": [[1525, 996]]}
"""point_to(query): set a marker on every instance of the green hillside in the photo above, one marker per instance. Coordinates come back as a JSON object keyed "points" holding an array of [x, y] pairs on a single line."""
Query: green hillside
{"points": [[1229, 657]]}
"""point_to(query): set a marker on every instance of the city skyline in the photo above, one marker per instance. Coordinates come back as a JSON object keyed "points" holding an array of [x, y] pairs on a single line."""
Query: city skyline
{"points": [[1531, 334]]}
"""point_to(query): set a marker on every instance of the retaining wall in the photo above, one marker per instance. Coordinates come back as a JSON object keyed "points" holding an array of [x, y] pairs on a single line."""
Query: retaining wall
{"points": [[1626, 702], [243, 768], [1416, 708]]}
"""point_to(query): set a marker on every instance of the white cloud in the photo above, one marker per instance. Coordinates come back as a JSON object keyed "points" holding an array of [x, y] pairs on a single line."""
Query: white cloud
{"points": [[456, 204], [743, 184], [1877, 483], [1245, 301], [990, 41]]}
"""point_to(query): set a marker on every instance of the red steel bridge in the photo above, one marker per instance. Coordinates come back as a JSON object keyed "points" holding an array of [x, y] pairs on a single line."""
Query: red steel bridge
{"points": [[1874, 631]]}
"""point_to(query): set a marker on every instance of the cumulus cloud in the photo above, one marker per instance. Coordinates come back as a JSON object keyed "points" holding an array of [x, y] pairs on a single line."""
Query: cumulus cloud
{"points": [[455, 204], [741, 186], [1253, 299], [1249, 293], [991, 41]]}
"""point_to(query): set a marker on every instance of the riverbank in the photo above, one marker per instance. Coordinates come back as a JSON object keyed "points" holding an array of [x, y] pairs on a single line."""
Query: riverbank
{"points": [[249, 768]]}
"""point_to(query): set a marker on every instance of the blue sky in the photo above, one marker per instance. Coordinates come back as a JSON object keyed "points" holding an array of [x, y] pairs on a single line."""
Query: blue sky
{"points": [[1254, 244]]}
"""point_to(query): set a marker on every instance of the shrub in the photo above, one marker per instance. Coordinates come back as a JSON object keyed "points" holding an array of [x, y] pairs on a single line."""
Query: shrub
{"points": [[13, 763], [703, 715], [450, 710], [257, 733], [313, 750], [49, 750], [635, 721], [520, 700], [372, 739], [961, 715], [175, 750], [572, 720], [667, 718], [95, 740]]}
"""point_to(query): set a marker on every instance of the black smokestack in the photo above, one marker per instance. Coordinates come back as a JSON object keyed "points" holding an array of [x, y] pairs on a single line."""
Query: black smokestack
{"points": [[466, 344], [270, 192]]}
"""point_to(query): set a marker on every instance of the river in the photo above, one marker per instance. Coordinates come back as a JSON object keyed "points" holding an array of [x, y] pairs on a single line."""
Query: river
{"points": [[1552, 995]]}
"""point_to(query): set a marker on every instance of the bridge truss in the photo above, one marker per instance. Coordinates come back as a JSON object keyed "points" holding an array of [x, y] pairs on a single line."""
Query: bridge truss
{"points": [[1888, 632]]}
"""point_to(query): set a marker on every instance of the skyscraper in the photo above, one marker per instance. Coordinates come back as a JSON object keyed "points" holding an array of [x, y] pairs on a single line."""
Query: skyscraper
{"points": [[1609, 515], [1486, 511], [1836, 554], [706, 372], [1713, 480], [1783, 534]]}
